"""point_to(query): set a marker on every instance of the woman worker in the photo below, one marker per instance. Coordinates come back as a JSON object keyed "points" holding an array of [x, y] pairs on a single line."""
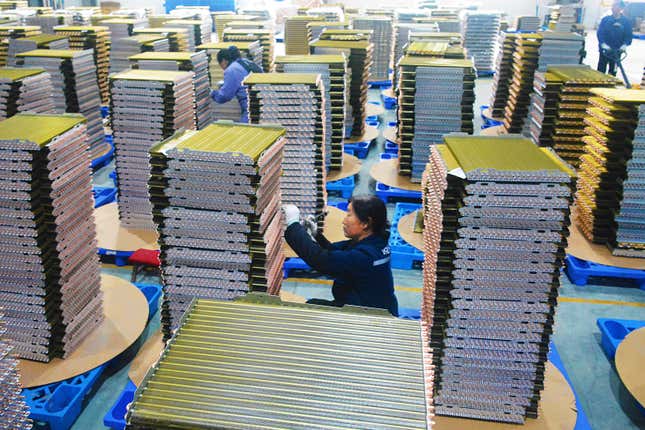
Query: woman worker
{"points": [[235, 69], [360, 266]]}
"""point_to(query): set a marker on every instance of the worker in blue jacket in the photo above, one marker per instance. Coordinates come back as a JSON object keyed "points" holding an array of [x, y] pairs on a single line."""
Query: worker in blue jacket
{"points": [[235, 69], [360, 266], [614, 36]]}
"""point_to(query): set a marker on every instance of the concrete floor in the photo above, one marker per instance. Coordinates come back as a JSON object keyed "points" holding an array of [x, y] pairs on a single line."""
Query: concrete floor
{"points": [[601, 394]]}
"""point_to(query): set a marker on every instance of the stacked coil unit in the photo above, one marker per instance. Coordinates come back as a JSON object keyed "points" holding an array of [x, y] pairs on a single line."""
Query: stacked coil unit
{"points": [[25, 90], [42, 41], [481, 31], [382, 38], [121, 32]]}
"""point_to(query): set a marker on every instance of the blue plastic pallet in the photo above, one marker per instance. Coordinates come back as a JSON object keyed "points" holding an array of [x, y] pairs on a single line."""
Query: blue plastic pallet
{"points": [[103, 196], [340, 205], [380, 84], [114, 178], [293, 264], [640, 36], [388, 102], [614, 331], [60, 404], [153, 294], [387, 193], [120, 257], [391, 148], [485, 73], [488, 122], [388, 155], [409, 313], [582, 422], [403, 255], [579, 272], [104, 160], [360, 149], [344, 187], [115, 418], [105, 111]]}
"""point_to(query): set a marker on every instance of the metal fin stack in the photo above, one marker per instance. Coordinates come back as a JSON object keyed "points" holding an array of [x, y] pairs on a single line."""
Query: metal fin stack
{"points": [[481, 31], [221, 21], [193, 31], [15, 412], [297, 103], [609, 200], [95, 38], [383, 39], [147, 106], [436, 97], [496, 222], [13, 32], [73, 76], [196, 62], [177, 36], [297, 34], [25, 90], [265, 36], [333, 71], [50, 285], [503, 74], [216, 197], [121, 30], [285, 366], [42, 41]]}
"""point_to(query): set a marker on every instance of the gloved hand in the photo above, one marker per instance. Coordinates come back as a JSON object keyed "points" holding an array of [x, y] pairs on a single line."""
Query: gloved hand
{"points": [[291, 214], [605, 46], [309, 223]]}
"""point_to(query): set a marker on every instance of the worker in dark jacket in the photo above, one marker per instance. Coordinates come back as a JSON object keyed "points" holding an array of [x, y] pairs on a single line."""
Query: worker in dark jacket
{"points": [[235, 69], [614, 36], [360, 266]]}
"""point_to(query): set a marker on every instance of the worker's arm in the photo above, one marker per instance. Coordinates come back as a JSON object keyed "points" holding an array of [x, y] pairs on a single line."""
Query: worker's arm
{"points": [[601, 33], [332, 262], [627, 40], [232, 80]]}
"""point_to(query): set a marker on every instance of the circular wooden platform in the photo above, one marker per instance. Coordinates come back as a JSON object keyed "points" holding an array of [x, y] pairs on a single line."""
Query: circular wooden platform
{"points": [[556, 411], [351, 166], [387, 172], [333, 229], [146, 357], [390, 134], [388, 93], [493, 131], [370, 134], [582, 248], [112, 236], [406, 230], [630, 358], [374, 110], [126, 314]]}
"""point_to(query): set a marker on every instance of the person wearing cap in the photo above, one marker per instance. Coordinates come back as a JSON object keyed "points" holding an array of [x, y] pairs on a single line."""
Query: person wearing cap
{"points": [[614, 36]]}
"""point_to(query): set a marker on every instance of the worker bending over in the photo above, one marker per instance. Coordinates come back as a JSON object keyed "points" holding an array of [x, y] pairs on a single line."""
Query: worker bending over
{"points": [[235, 69], [614, 35], [360, 266]]}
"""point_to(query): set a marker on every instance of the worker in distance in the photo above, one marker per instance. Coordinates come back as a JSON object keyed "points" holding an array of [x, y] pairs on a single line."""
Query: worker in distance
{"points": [[360, 265], [614, 36]]}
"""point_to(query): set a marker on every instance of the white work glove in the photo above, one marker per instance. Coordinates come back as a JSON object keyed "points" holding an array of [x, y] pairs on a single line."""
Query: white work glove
{"points": [[605, 46], [291, 214], [309, 223]]}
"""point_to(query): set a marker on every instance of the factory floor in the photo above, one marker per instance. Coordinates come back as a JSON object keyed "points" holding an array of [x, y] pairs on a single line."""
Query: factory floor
{"points": [[577, 338]]}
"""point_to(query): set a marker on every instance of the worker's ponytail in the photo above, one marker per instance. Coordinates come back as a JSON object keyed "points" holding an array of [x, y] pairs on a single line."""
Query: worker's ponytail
{"points": [[371, 210], [229, 54]]}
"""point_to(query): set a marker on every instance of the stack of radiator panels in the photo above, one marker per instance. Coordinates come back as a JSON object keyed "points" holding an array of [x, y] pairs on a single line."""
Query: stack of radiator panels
{"points": [[382, 38], [527, 23], [42, 41], [564, 106], [216, 197], [193, 31], [402, 35], [48, 21], [333, 72], [525, 62], [196, 62], [265, 36], [97, 39], [609, 199], [25, 90], [359, 55], [297, 34], [177, 37], [496, 222], [147, 106], [560, 48], [222, 20], [317, 27], [540, 122], [13, 32], [73, 76], [436, 97], [481, 31], [50, 285], [503, 74], [297, 103], [15, 412], [289, 366], [122, 46]]}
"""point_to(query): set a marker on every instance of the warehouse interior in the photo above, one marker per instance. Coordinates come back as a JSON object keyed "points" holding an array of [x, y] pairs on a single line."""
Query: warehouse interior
{"points": [[168, 169]]}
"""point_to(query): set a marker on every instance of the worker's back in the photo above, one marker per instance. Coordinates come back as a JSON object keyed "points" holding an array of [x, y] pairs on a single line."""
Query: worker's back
{"points": [[236, 72]]}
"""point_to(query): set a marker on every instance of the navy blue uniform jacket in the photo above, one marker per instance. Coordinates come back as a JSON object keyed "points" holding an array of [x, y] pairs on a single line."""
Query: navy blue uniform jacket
{"points": [[615, 32], [361, 270]]}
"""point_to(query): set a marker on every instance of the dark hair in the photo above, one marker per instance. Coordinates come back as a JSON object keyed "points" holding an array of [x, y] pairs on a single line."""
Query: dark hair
{"points": [[371, 210], [229, 54]]}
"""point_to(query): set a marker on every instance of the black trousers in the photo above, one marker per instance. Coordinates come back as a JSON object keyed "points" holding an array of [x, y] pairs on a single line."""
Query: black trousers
{"points": [[604, 61]]}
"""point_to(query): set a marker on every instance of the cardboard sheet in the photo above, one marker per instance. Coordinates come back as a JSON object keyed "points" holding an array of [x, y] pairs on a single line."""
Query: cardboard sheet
{"points": [[111, 235], [387, 172], [146, 357], [351, 167], [390, 134], [374, 110], [406, 230], [493, 131]]}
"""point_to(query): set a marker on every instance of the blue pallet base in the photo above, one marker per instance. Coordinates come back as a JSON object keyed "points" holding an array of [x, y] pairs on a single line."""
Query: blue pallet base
{"points": [[60, 404], [388, 155], [640, 36], [340, 205], [391, 148], [387, 193], [380, 84], [120, 257], [582, 422], [105, 111], [104, 160], [389, 103], [360, 148], [114, 178], [153, 294], [614, 331], [409, 313], [579, 272], [293, 264], [488, 122], [115, 418], [343, 187], [103, 196], [403, 255], [485, 73]]}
